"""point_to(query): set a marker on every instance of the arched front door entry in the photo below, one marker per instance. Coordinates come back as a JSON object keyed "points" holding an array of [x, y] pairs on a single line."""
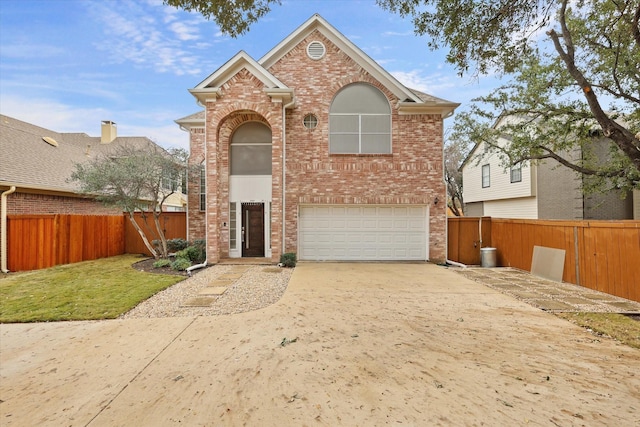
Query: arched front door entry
{"points": [[250, 190]]}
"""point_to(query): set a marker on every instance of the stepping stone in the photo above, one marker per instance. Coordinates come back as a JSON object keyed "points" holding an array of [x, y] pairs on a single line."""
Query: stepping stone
{"points": [[626, 306], [216, 290], [550, 305], [230, 276], [598, 297], [198, 302], [507, 287], [272, 270], [575, 300], [220, 283], [551, 291], [527, 295]]}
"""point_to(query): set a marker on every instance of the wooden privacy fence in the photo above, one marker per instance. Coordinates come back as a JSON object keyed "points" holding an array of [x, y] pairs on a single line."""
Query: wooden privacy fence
{"points": [[42, 241], [600, 255], [174, 226]]}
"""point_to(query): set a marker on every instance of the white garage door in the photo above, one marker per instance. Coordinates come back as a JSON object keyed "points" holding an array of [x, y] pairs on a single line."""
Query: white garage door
{"points": [[362, 233]]}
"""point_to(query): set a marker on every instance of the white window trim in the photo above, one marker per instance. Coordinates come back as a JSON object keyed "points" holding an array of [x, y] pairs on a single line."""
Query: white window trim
{"points": [[488, 176]]}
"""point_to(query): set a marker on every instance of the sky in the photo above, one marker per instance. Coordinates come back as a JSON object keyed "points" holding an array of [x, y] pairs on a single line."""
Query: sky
{"points": [[68, 65]]}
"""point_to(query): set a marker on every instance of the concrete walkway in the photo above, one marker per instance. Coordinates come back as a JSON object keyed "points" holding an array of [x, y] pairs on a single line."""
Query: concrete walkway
{"points": [[348, 344], [548, 295]]}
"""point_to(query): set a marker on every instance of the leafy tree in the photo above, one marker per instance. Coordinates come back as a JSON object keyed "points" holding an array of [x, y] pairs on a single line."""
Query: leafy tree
{"points": [[233, 17], [135, 179], [575, 66], [563, 98], [455, 152]]}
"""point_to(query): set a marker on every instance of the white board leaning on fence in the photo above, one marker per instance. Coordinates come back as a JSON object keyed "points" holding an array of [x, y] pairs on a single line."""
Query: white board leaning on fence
{"points": [[548, 263]]}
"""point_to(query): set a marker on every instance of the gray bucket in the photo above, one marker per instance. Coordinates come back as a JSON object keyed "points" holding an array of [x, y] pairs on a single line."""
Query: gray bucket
{"points": [[488, 257]]}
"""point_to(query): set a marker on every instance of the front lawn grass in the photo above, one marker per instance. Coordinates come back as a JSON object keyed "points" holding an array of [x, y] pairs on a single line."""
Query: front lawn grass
{"points": [[613, 325], [90, 290]]}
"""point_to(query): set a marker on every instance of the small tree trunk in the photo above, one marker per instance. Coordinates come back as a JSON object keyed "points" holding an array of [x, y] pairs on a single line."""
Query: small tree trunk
{"points": [[160, 231], [141, 233]]}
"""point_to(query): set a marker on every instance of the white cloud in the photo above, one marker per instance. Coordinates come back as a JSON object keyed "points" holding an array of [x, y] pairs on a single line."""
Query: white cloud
{"points": [[25, 50], [53, 115], [155, 125], [395, 33], [150, 36], [433, 84], [184, 31]]}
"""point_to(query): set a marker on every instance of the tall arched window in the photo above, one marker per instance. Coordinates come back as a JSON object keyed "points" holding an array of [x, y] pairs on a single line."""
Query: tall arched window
{"points": [[251, 149], [360, 121]]}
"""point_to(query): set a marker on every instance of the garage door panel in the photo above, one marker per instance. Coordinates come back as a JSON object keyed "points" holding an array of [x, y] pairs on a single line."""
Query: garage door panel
{"points": [[367, 233]]}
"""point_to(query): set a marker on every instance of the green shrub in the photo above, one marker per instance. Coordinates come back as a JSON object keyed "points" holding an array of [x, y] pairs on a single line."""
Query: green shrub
{"points": [[194, 253], [175, 245], [180, 264], [162, 263], [288, 259]]}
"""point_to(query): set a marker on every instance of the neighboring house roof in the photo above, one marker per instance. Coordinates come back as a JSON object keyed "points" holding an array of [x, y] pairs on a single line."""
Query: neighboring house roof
{"points": [[192, 120], [411, 101], [28, 161]]}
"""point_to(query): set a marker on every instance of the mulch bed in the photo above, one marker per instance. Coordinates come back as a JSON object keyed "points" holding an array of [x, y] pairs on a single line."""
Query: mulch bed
{"points": [[146, 265]]}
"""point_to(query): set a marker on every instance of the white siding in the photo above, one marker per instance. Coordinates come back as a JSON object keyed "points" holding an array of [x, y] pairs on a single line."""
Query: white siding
{"points": [[522, 208], [501, 186]]}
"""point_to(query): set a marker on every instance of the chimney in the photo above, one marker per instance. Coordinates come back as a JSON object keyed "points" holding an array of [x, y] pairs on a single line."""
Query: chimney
{"points": [[109, 132]]}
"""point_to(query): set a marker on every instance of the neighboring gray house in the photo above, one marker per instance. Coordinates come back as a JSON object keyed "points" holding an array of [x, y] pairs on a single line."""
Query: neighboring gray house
{"points": [[546, 190]]}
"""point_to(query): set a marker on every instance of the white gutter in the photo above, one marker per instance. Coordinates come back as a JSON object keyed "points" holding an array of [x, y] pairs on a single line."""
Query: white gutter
{"points": [[284, 164], [3, 226]]}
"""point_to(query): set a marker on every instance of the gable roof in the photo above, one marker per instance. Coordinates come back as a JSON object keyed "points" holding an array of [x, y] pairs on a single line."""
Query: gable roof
{"points": [[29, 162], [210, 87], [318, 23], [412, 102]]}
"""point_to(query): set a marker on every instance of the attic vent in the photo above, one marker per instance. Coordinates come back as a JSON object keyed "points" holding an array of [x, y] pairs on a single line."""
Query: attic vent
{"points": [[315, 50], [50, 141]]}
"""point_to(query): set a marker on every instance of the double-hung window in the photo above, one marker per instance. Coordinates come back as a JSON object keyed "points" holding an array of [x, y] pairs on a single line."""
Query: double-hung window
{"points": [[360, 121], [203, 188], [486, 176], [516, 172]]}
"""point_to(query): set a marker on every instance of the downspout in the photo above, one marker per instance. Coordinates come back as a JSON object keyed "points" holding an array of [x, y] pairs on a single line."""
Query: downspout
{"points": [[206, 228], [446, 229], [3, 227], [457, 264], [284, 162]]}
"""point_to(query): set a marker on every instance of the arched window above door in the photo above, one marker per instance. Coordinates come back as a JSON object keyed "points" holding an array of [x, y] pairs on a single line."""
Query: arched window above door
{"points": [[251, 150]]}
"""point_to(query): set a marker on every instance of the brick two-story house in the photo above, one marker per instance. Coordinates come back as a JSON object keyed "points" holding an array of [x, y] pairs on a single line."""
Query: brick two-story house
{"points": [[316, 149]]}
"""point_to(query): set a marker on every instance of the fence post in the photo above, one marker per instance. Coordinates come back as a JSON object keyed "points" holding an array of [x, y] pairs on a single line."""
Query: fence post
{"points": [[576, 247]]}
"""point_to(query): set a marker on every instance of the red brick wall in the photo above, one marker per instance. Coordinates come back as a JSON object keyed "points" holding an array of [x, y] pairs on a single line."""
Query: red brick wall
{"points": [[242, 99], [195, 217], [28, 203], [411, 174]]}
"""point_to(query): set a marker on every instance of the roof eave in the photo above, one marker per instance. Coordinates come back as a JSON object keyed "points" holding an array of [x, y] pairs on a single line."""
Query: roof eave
{"points": [[208, 94], [443, 109]]}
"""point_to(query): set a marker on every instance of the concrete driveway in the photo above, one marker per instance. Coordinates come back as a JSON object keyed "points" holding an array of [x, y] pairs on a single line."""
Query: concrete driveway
{"points": [[348, 344]]}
